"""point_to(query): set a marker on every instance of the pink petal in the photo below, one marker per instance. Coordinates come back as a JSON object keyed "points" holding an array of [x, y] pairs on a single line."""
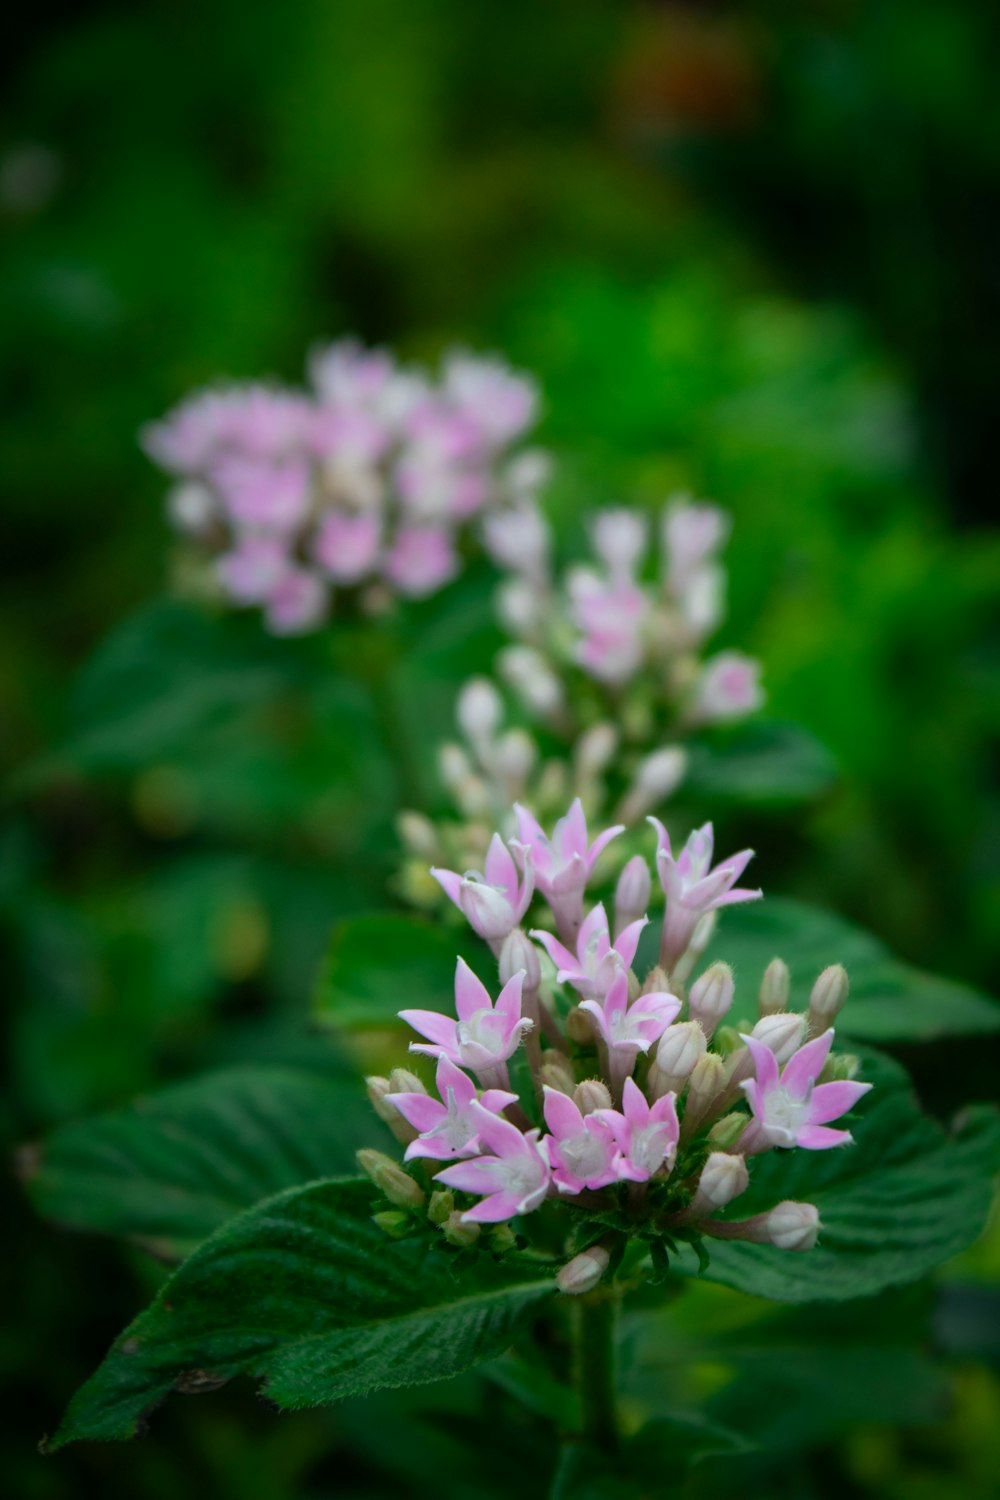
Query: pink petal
{"points": [[662, 838], [450, 1077], [601, 843], [509, 999], [736, 863], [616, 999], [477, 1176], [499, 1134], [449, 882], [627, 941], [753, 1092], [470, 992], [418, 1110], [593, 924], [831, 1100], [496, 1100], [821, 1137], [500, 868], [664, 1112], [634, 1105], [560, 955], [561, 1115], [431, 1024], [805, 1066], [732, 898], [494, 1210], [765, 1064], [570, 835], [528, 827]]}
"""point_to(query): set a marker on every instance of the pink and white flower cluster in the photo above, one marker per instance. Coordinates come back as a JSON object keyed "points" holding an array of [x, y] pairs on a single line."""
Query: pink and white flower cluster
{"points": [[585, 1085], [626, 618], [367, 478]]}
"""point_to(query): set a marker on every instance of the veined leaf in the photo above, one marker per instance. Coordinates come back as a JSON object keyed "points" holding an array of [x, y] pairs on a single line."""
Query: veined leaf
{"points": [[305, 1294]]}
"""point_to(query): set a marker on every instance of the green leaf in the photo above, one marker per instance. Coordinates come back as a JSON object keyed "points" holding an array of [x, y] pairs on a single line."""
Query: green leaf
{"points": [[889, 1000], [378, 965], [307, 1296], [172, 1167], [763, 762], [893, 1206], [663, 1449]]}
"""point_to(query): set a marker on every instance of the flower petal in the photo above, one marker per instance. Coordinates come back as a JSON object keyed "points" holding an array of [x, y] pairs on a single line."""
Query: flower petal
{"points": [[805, 1066], [561, 1114], [431, 1024], [821, 1137], [831, 1100], [471, 994]]}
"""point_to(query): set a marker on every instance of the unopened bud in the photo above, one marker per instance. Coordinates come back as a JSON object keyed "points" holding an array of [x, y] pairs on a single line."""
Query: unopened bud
{"points": [[706, 1084], [782, 1032], [632, 893], [793, 1226], [458, 1233], [519, 953], [594, 750], [531, 677], [380, 1098], [454, 766], [519, 606], [722, 1179], [727, 1040], [775, 988], [192, 506], [700, 939], [514, 757], [656, 777], [827, 998], [390, 1179], [656, 982], [725, 1133], [441, 1206], [680, 1049], [557, 1074], [392, 1222], [418, 835], [502, 1239], [579, 1027], [584, 1271], [711, 996], [402, 1081], [479, 711], [590, 1095], [841, 1067]]}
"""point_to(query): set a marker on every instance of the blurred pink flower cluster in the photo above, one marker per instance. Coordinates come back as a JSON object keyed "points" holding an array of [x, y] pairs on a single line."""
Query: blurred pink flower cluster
{"points": [[367, 479]]}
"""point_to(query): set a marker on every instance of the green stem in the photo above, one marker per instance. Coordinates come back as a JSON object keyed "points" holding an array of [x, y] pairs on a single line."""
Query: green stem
{"points": [[596, 1367]]}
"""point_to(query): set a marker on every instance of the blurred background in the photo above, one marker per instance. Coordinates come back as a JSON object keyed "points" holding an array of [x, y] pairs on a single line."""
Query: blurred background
{"points": [[751, 250]]}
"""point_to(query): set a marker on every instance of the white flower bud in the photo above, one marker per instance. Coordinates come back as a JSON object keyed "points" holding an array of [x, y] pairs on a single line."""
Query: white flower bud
{"points": [[377, 1088], [584, 1271], [380, 1092], [402, 1081], [514, 757], [590, 1095], [711, 996], [579, 1027], [619, 538], [656, 777], [390, 1179], [417, 834], [488, 911], [793, 1226], [595, 749], [557, 1074], [518, 538], [454, 766], [519, 953], [681, 1048], [706, 1084], [479, 711], [782, 1032], [532, 678], [192, 506], [520, 606], [775, 988], [632, 893], [723, 1178], [827, 997]]}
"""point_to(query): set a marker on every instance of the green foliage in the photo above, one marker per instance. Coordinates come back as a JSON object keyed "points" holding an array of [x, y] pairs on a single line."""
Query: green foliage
{"points": [[762, 763], [306, 1295], [379, 965]]}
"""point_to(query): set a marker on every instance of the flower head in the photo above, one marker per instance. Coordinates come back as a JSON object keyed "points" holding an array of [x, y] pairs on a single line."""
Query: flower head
{"points": [[513, 1180], [790, 1108], [693, 888], [591, 969], [494, 900], [563, 863], [447, 1126], [581, 1148], [646, 1134], [483, 1037], [628, 1030]]}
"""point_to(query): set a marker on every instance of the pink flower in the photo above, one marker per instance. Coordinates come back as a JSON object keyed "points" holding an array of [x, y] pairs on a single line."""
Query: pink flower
{"points": [[500, 404], [252, 571], [347, 546], [564, 863], [592, 968], [611, 617], [514, 1180], [421, 559], [297, 603], [254, 420], [447, 1129], [692, 534], [349, 436], [346, 374], [646, 1134], [581, 1148], [692, 888], [619, 538], [257, 492], [495, 900], [791, 1109], [484, 1037], [727, 688], [626, 1031]]}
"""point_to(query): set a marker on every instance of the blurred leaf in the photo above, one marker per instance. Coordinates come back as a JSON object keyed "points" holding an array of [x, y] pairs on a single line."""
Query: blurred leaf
{"points": [[668, 1446], [893, 1206], [378, 965], [305, 1294], [175, 1165], [760, 763]]}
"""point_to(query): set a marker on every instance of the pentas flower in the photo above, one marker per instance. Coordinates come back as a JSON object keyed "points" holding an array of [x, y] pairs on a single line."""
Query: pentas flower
{"points": [[727, 688], [593, 967], [563, 863], [693, 888], [646, 1134], [582, 1149], [628, 1030], [447, 1125], [484, 1036], [514, 1180], [790, 1108], [494, 900], [610, 616]]}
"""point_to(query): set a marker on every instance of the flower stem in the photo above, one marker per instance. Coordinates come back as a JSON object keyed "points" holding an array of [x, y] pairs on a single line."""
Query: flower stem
{"points": [[596, 1367]]}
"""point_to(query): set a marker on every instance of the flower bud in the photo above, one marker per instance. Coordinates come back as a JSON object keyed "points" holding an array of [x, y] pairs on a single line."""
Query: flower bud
{"points": [[827, 997], [656, 776], [557, 1074], [458, 1233], [727, 1040], [519, 606], [680, 1049], [725, 1133], [487, 909], [841, 1067], [394, 1223], [782, 1032], [595, 749], [656, 982], [502, 1239], [479, 711], [775, 988], [711, 996], [531, 677], [402, 1081], [380, 1098], [632, 893], [579, 1027], [584, 1271], [590, 1095], [390, 1179], [519, 953], [620, 537], [793, 1226], [441, 1206], [192, 506], [706, 1084], [454, 766], [723, 1178], [418, 835], [514, 756]]}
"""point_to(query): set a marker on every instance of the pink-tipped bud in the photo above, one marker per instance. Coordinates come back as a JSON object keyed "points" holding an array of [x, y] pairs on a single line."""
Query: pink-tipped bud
{"points": [[783, 1032], [711, 996], [519, 952], [557, 1074], [722, 1179], [775, 988], [584, 1271], [827, 998], [680, 1049], [479, 711], [390, 1179], [656, 777], [793, 1226], [632, 893], [590, 1095]]}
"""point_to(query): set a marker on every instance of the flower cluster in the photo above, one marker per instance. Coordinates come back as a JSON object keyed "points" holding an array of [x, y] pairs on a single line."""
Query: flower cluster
{"points": [[623, 628], [366, 479], [628, 1100]]}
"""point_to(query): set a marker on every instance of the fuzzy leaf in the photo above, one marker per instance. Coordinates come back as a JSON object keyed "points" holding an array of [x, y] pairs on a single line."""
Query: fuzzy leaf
{"points": [[307, 1296]]}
